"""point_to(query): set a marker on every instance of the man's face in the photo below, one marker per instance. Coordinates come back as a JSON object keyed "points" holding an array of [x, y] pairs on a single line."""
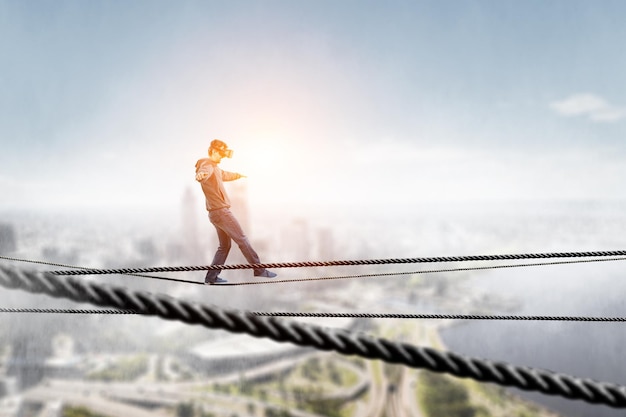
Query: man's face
{"points": [[215, 156]]}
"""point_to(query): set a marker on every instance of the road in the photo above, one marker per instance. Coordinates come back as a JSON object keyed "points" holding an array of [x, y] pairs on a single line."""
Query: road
{"points": [[400, 400], [114, 399], [78, 395]]}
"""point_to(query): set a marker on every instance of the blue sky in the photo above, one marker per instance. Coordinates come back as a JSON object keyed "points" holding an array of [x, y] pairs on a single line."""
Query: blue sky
{"points": [[110, 103]]}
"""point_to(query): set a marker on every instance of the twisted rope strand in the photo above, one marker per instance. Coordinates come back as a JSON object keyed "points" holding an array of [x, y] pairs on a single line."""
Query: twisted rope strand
{"points": [[426, 316], [416, 316], [64, 311], [334, 277], [341, 341], [7, 258], [347, 263], [428, 271]]}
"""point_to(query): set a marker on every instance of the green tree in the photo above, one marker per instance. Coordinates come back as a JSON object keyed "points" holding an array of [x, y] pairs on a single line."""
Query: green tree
{"points": [[263, 395], [443, 397], [185, 410], [79, 412]]}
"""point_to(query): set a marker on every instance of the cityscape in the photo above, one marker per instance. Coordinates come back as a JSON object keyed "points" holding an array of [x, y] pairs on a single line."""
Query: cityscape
{"points": [[99, 365], [357, 130]]}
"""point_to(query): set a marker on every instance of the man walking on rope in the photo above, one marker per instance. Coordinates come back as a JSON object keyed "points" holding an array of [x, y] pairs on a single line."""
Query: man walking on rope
{"points": [[211, 177]]}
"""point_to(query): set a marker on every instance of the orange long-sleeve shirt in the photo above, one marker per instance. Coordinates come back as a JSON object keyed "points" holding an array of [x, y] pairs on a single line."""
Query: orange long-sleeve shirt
{"points": [[213, 184]]}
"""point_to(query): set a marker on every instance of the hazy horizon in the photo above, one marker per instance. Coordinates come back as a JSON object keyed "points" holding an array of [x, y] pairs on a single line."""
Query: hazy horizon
{"points": [[107, 104]]}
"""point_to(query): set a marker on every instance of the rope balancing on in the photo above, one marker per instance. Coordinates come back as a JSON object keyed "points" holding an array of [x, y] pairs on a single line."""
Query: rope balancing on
{"points": [[309, 279], [351, 314], [347, 263], [427, 271], [340, 341]]}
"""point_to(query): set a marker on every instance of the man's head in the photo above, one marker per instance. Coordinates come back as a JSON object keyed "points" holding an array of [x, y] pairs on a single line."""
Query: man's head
{"points": [[219, 150]]}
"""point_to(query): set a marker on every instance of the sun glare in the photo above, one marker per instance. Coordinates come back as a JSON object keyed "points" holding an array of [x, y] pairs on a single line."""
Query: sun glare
{"points": [[265, 161]]}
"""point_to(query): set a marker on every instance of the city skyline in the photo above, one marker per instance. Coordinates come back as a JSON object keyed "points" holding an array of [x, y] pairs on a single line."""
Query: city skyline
{"points": [[592, 227]]}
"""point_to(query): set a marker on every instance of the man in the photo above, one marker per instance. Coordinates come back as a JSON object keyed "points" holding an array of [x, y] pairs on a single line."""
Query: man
{"points": [[212, 178]]}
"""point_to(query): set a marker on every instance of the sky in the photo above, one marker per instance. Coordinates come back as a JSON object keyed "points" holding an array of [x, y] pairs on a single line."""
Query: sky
{"points": [[367, 103]]}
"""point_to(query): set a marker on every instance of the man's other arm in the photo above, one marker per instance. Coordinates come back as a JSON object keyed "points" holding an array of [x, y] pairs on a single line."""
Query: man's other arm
{"points": [[203, 171]]}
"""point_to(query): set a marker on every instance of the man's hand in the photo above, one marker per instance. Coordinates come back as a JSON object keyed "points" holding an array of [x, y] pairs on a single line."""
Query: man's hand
{"points": [[201, 176]]}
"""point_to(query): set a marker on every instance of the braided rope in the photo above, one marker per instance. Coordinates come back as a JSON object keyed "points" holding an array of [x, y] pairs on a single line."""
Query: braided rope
{"points": [[7, 258], [340, 341], [64, 311], [346, 315], [424, 316], [427, 271], [334, 277], [347, 263]]}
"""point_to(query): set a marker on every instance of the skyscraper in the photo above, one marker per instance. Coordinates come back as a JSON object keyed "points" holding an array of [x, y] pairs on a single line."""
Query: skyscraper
{"points": [[296, 242], [8, 240], [325, 244], [191, 247], [238, 193]]}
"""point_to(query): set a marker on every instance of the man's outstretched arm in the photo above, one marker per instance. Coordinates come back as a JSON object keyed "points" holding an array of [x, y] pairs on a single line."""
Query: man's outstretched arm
{"points": [[231, 176]]}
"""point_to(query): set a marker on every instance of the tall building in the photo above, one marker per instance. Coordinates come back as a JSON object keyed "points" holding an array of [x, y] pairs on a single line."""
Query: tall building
{"points": [[8, 240], [325, 244], [296, 242], [191, 246], [26, 361], [238, 194]]}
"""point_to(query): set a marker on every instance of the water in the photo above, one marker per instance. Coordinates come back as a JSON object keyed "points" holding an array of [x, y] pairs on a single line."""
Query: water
{"points": [[588, 350]]}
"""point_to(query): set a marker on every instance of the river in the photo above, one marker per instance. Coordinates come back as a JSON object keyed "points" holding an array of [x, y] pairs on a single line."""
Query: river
{"points": [[588, 350]]}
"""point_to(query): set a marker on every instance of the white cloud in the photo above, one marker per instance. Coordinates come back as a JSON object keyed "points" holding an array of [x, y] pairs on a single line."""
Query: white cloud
{"points": [[588, 105]]}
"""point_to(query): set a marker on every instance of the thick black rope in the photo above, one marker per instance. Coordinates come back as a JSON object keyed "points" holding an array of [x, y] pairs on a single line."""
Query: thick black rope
{"points": [[346, 315], [340, 341], [347, 263]]}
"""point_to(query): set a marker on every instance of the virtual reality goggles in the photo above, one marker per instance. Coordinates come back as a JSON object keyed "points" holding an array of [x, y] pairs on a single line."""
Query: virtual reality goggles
{"points": [[226, 153], [220, 147]]}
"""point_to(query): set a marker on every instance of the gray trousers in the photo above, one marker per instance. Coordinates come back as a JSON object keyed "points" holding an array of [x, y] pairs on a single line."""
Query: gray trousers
{"points": [[228, 229]]}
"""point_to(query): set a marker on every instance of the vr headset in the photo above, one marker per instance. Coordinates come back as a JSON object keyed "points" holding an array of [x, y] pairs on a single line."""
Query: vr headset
{"points": [[226, 153], [221, 148]]}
